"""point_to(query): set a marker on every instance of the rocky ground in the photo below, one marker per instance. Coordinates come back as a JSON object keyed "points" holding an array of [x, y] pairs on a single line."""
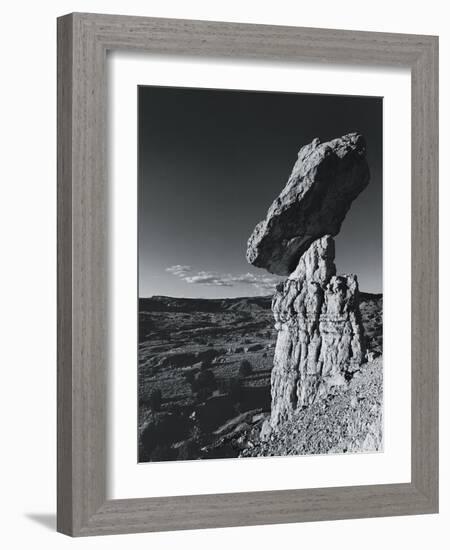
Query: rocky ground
{"points": [[348, 421], [204, 384]]}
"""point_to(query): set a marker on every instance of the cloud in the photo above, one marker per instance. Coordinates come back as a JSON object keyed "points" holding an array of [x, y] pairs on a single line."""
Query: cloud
{"points": [[179, 270], [208, 278], [264, 283]]}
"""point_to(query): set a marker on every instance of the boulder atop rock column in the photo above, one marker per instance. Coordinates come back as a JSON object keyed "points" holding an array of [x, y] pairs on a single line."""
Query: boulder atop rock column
{"points": [[325, 180]]}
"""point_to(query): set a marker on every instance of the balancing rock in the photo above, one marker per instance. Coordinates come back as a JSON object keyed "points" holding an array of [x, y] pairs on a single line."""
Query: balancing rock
{"points": [[325, 180], [320, 338]]}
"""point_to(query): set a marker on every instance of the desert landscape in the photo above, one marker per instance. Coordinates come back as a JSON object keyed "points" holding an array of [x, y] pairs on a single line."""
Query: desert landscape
{"points": [[204, 384], [260, 238], [296, 373]]}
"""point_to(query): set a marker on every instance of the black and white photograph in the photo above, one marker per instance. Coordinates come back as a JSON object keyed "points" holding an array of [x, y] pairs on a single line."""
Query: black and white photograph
{"points": [[260, 256]]}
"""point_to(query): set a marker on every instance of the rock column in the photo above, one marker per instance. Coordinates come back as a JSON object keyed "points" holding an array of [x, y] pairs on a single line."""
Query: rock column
{"points": [[320, 334]]}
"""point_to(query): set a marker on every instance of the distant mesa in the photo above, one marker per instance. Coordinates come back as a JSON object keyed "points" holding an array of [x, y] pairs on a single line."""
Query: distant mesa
{"points": [[169, 304], [324, 182]]}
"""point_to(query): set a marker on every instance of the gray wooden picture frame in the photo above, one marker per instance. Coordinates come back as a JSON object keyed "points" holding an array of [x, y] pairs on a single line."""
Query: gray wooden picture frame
{"points": [[83, 41]]}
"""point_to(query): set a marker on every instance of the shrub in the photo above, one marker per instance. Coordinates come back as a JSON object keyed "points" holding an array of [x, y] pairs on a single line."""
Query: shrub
{"points": [[189, 376], [204, 384], [235, 389], [196, 433], [245, 368], [206, 364], [155, 400], [206, 379]]}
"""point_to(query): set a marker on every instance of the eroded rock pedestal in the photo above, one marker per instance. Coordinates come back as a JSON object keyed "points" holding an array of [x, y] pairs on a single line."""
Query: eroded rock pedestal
{"points": [[320, 334]]}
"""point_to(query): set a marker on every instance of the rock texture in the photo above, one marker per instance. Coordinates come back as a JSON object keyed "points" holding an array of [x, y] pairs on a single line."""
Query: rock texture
{"points": [[325, 180], [320, 334], [350, 422]]}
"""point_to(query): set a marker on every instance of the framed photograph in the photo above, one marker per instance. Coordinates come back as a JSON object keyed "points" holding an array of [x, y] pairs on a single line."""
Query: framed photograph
{"points": [[247, 274]]}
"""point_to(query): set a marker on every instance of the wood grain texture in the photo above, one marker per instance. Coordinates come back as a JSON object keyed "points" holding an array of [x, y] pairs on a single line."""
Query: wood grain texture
{"points": [[83, 40], [425, 265], [64, 300]]}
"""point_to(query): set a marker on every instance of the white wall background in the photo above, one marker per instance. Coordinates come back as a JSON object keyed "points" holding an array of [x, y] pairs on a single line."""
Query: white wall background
{"points": [[28, 268]]}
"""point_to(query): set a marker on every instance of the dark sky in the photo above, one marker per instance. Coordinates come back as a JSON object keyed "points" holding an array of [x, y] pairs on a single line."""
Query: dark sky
{"points": [[210, 164]]}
